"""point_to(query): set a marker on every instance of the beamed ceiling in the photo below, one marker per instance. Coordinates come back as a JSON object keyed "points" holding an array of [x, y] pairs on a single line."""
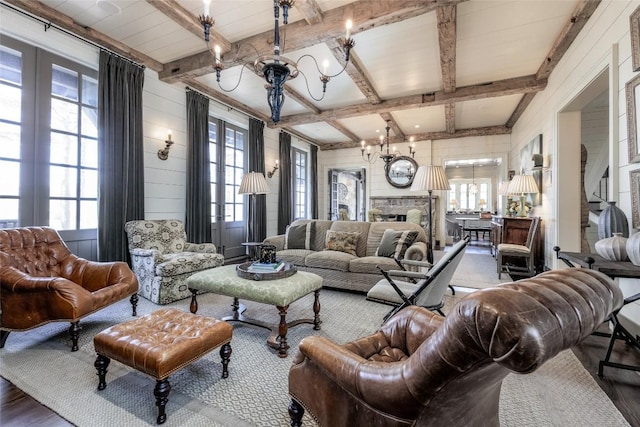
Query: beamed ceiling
{"points": [[435, 69]]}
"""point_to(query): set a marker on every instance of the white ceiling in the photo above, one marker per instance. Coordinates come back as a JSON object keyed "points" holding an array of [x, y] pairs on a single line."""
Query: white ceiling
{"points": [[495, 40]]}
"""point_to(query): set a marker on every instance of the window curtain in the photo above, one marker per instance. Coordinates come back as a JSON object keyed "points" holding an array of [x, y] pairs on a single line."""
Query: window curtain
{"points": [[198, 209], [257, 218], [120, 153], [313, 181], [285, 204]]}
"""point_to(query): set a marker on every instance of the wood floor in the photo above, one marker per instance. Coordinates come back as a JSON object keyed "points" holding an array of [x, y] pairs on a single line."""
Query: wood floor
{"points": [[622, 386]]}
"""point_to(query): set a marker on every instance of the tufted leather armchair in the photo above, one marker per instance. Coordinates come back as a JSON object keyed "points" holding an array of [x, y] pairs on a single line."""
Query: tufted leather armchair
{"points": [[162, 259], [422, 369], [42, 281]]}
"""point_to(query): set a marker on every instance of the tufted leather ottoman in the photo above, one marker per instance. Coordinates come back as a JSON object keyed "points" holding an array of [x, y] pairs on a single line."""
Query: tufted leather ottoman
{"points": [[161, 343]]}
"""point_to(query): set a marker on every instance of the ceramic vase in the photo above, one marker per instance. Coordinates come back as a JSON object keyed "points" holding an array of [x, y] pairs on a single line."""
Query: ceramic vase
{"points": [[633, 248], [613, 248], [612, 220]]}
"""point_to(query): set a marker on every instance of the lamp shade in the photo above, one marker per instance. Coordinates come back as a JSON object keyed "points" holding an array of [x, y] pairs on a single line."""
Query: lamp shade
{"points": [[430, 178], [504, 188], [253, 183], [522, 184]]}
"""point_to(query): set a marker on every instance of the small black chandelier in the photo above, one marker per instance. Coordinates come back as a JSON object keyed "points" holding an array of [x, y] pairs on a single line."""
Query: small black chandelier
{"points": [[387, 156], [275, 69]]}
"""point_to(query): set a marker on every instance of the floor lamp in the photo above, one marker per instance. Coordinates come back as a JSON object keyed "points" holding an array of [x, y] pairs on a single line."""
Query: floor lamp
{"points": [[252, 183], [521, 185], [430, 178]]}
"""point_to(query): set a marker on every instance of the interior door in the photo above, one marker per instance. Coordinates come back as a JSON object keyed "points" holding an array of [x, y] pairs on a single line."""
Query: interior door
{"points": [[347, 194], [228, 213]]}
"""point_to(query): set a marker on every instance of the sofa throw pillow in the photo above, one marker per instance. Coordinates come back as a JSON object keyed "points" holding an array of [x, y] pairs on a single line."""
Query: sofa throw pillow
{"points": [[342, 241], [300, 236], [395, 243]]}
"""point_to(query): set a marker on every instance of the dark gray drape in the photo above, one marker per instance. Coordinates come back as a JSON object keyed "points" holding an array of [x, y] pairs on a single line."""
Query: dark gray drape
{"points": [[198, 209], [313, 184], [120, 153], [285, 204], [257, 219]]}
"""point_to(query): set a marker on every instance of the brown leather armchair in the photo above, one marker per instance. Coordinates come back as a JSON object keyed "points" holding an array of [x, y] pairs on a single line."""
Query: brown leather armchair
{"points": [[423, 369], [42, 281]]}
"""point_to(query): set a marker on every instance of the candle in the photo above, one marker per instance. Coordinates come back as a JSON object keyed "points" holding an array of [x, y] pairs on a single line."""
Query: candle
{"points": [[207, 4], [325, 66], [368, 149], [348, 26], [277, 163], [216, 48], [362, 143], [169, 135]]}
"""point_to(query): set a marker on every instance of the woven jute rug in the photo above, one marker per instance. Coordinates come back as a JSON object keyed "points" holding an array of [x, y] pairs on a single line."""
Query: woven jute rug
{"points": [[560, 393]]}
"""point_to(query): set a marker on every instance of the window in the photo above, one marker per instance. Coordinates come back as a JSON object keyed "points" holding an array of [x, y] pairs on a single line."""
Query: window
{"points": [[49, 146], [460, 197], [228, 160], [299, 183]]}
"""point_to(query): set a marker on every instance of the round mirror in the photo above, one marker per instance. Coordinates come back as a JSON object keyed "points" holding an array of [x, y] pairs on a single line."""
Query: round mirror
{"points": [[401, 171]]}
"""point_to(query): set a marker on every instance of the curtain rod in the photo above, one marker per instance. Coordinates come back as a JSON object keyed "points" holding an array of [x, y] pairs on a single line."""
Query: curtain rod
{"points": [[49, 24]]}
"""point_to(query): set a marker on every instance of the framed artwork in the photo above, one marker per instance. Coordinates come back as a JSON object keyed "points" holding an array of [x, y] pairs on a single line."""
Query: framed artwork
{"points": [[635, 197], [527, 164], [635, 38], [632, 94]]}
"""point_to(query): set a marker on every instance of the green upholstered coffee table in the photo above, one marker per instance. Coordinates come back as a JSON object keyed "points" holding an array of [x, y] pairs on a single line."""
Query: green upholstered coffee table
{"points": [[279, 292]]}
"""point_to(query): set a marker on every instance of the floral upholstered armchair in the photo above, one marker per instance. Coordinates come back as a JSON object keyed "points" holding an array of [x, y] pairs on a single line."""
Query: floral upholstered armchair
{"points": [[162, 259]]}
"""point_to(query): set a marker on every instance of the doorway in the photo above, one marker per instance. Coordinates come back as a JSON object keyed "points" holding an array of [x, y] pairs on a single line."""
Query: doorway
{"points": [[347, 194], [228, 212]]}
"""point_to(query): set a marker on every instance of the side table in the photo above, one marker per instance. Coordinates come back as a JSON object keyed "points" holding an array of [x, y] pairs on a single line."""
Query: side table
{"points": [[253, 250]]}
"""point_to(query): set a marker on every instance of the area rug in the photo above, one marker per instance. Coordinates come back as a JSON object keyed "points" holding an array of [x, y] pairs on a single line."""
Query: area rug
{"points": [[560, 393], [477, 271]]}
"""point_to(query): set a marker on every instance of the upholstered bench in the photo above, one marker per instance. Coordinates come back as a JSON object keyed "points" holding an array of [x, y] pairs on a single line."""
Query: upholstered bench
{"points": [[161, 343]]}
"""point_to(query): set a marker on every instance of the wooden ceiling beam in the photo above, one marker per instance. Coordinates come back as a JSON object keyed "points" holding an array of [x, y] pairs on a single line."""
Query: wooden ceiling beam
{"points": [[355, 70], [190, 22], [461, 133], [498, 88], [387, 117], [447, 21], [66, 23], [365, 15], [310, 10], [299, 98]]}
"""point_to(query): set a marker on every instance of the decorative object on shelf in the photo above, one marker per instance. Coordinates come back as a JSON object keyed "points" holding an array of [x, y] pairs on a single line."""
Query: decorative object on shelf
{"points": [[633, 248], [430, 178], [164, 153], [613, 248], [275, 168], [521, 185], [267, 254], [275, 69], [612, 220]]}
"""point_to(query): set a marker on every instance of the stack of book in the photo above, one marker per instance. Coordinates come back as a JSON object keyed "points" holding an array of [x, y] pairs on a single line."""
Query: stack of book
{"points": [[270, 267]]}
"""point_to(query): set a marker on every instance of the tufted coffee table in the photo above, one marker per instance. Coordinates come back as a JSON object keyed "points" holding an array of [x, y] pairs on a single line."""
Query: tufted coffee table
{"points": [[279, 292], [159, 344]]}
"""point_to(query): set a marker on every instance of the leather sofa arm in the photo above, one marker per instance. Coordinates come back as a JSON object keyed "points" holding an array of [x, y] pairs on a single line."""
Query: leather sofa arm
{"points": [[277, 241], [203, 248], [93, 275]]}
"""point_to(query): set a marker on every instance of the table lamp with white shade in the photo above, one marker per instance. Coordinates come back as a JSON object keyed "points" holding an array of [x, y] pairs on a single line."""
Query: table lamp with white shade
{"points": [[429, 178], [253, 183], [521, 185]]}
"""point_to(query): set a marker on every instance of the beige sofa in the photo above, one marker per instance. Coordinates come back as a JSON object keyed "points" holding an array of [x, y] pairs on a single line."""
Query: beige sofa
{"points": [[342, 270]]}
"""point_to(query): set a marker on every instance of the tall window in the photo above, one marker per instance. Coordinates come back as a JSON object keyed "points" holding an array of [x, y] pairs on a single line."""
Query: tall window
{"points": [[48, 146], [299, 183], [460, 197], [228, 159]]}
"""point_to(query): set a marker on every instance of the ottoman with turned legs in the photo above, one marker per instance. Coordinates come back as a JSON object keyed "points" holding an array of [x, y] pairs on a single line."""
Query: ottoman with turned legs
{"points": [[161, 343]]}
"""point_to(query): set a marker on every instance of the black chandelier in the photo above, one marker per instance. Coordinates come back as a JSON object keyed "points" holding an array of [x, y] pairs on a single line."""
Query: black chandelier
{"points": [[275, 69], [387, 156]]}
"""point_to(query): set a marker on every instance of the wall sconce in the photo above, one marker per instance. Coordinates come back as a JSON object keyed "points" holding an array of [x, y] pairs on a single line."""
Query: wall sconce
{"points": [[275, 168], [164, 153]]}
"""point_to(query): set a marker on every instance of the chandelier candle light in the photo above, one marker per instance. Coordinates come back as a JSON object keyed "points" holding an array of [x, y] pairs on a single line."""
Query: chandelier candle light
{"points": [[390, 153], [275, 69]]}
